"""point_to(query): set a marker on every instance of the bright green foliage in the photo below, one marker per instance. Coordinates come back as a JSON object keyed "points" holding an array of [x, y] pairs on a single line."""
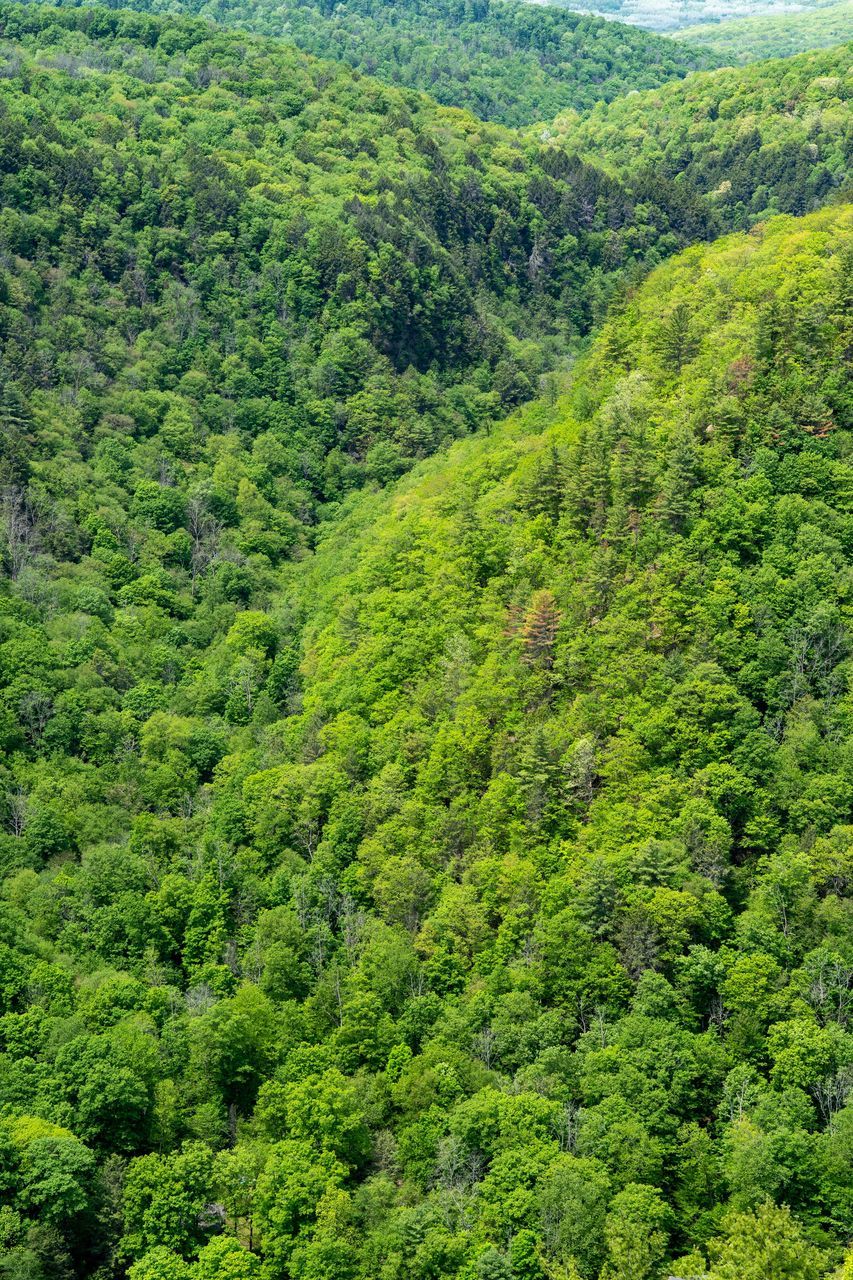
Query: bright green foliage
{"points": [[513, 940], [766, 1245], [263, 281], [159, 1264], [775, 35], [222, 1259], [635, 1233], [443, 881], [726, 132], [295, 1190], [164, 1201], [225, 1259]]}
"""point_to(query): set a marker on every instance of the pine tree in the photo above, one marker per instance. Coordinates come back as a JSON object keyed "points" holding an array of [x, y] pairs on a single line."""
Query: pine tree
{"points": [[680, 479], [547, 487], [678, 344], [539, 632]]}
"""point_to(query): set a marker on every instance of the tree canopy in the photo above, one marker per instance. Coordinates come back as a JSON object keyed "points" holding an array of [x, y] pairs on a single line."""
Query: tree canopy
{"points": [[483, 908], [777, 35], [425, 787], [504, 60]]}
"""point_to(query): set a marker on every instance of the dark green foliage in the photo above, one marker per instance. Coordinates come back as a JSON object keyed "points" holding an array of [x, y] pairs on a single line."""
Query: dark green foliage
{"points": [[217, 248]]}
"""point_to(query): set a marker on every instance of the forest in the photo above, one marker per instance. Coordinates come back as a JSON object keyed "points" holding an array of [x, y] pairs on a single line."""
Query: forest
{"points": [[750, 39], [503, 60], [426, 793]]}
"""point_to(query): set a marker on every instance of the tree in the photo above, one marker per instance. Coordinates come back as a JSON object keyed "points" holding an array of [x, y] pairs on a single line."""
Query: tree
{"points": [[677, 343], [224, 1259], [57, 1178], [290, 1189], [232, 1047], [166, 1201], [767, 1244], [636, 1233], [19, 528], [539, 629], [573, 1198], [325, 1109], [160, 1264]]}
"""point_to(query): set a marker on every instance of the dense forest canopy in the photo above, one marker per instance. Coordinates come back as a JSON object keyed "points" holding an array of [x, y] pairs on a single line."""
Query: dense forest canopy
{"points": [[483, 909], [257, 243], [503, 60], [724, 131], [211, 240], [749, 39], [425, 839]]}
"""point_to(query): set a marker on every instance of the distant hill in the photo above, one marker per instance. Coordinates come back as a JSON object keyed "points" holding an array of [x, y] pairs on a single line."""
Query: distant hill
{"points": [[672, 15], [774, 36]]}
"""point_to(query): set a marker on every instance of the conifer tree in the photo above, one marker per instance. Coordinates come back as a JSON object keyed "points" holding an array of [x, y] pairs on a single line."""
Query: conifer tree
{"points": [[539, 632]]}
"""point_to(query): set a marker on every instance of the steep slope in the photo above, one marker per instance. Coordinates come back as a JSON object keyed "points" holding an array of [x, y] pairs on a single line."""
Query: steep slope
{"points": [[227, 264], [218, 250], [744, 136], [775, 36], [501, 59], [224, 230], [517, 944]]}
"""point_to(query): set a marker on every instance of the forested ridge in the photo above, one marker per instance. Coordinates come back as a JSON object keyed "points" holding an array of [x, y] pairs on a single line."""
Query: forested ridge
{"points": [[749, 39], [503, 60], [420, 867], [207, 232], [735, 134]]}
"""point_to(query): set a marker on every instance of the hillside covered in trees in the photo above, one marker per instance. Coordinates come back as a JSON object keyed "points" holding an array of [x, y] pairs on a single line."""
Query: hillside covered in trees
{"points": [[504, 60], [425, 833], [213, 244], [508, 926], [776, 35], [736, 135]]}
